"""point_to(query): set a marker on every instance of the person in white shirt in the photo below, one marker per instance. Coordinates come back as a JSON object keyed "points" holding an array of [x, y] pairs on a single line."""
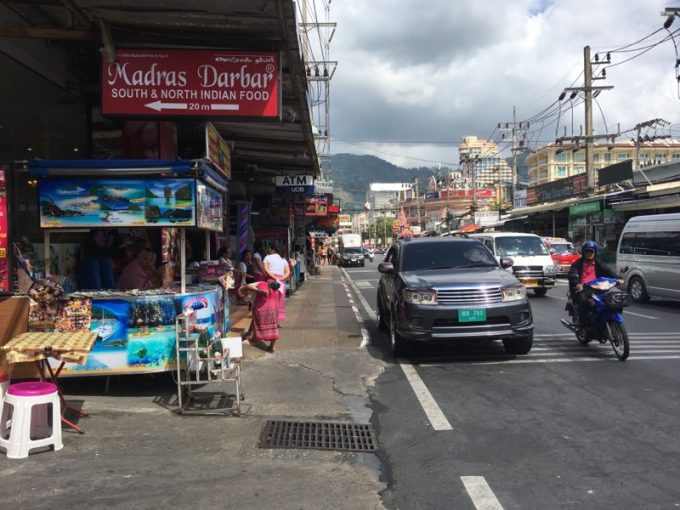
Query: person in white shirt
{"points": [[277, 268]]}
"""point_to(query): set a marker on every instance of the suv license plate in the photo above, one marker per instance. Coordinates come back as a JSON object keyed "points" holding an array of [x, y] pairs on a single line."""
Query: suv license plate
{"points": [[530, 283], [472, 315]]}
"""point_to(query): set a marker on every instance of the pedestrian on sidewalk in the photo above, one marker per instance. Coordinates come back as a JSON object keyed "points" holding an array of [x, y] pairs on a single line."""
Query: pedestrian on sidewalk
{"points": [[265, 311], [259, 252], [277, 268]]}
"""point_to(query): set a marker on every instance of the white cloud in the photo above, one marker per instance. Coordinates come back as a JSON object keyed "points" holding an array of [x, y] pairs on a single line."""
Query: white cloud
{"points": [[439, 70]]}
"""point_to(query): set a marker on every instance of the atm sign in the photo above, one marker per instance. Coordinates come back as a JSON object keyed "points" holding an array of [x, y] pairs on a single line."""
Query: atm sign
{"points": [[295, 184]]}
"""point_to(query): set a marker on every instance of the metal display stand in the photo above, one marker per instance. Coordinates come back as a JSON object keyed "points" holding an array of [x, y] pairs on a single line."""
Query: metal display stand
{"points": [[203, 367]]}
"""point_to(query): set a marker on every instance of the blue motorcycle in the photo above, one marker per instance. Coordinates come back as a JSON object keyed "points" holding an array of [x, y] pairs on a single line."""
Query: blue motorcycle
{"points": [[605, 323]]}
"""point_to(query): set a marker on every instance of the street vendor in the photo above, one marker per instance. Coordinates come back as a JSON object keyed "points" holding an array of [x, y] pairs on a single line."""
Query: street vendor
{"points": [[141, 273]]}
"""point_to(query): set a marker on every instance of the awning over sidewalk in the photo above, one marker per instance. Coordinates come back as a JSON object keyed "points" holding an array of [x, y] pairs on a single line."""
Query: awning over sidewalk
{"points": [[648, 204]]}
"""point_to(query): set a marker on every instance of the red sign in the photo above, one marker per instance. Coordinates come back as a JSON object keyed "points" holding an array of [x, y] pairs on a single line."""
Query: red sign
{"points": [[4, 257], [192, 83], [333, 209]]}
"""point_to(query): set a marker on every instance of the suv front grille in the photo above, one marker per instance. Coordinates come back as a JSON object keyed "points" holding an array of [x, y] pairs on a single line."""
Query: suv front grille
{"points": [[528, 271], [468, 296]]}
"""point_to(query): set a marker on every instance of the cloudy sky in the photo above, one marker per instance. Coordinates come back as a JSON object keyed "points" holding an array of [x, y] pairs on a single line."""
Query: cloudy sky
{"points": [[415, 77]]}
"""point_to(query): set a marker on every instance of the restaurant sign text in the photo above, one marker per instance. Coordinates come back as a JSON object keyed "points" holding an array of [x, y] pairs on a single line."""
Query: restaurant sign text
{"points": [[195, 83]]}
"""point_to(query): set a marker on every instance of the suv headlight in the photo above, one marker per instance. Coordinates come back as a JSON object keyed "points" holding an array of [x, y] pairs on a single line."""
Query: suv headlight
{"points": [[514, 293], [550, 270], [420, 297]]}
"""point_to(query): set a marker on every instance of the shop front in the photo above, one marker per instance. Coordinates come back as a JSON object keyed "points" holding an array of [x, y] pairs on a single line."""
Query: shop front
{"points": [[129, 269]]}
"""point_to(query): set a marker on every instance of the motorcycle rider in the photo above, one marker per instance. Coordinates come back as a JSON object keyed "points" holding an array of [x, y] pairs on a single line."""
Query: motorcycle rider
{"points": [[584, 270]]}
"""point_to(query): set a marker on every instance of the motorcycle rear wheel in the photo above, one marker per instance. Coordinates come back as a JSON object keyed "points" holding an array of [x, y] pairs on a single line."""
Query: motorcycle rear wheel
{"points": [[619, 340]]}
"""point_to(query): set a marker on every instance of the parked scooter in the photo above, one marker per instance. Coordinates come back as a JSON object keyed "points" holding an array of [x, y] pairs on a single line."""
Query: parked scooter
{"points": [[606, 302]]}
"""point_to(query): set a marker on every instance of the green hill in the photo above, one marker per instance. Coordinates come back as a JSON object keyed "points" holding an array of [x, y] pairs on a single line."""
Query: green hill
{"points": [[352, 175]]}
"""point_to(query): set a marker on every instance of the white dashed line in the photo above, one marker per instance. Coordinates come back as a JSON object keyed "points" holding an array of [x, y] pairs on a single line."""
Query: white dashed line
{"points": [[480, 493], [427, 401]]}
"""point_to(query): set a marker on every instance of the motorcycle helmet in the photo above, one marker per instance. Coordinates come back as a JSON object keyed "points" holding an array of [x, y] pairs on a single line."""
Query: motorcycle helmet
{"points": [[589, 245]]}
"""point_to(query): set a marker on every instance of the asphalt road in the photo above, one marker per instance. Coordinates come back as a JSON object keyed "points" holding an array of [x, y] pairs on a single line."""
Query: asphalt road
{"points": [[566, 426]]}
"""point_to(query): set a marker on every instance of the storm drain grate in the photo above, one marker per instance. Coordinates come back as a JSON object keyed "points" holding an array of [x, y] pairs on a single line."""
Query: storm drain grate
{"points": [[315, 435]]}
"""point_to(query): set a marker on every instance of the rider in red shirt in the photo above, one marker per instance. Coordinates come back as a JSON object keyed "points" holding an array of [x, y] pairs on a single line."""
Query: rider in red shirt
{"points": [[584, 270]]}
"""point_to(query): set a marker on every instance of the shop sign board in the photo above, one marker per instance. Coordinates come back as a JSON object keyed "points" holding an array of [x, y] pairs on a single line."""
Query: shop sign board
{"points": [[302, 184], [312, 206], [192, 83], [333, 209], [519, 198], [344, 220], [4, 244], [587, 208], [209, 208], [69, 203], [432, 195], [217, 150], [557, 190], [615, 173], [483, 218]]}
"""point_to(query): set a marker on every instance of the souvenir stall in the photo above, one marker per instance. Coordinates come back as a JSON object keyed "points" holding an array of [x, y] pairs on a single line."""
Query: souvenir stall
{"points": [[101, 203]]}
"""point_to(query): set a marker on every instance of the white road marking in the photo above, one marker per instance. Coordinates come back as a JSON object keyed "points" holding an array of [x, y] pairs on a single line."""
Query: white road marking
{"points": [[365, 337], [429, 405], [480, 493], [371, 313], [364, 284]]}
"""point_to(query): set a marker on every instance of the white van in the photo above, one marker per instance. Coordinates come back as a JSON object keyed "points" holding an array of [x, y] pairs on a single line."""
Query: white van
{"points": [[533, 265], [648, 256]]}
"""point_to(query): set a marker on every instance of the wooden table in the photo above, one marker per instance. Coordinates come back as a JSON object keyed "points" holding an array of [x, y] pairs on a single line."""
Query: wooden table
{"points": [[71, 347]]}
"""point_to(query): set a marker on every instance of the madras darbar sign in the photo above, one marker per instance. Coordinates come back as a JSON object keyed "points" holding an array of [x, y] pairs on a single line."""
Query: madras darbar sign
{"points": [[195, 83]]}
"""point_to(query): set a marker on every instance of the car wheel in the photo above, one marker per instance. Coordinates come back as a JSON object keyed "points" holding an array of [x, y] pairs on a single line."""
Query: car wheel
{"points": [[638, 290], [540, 292], [382, 322], [400, 347], [520, 345]]}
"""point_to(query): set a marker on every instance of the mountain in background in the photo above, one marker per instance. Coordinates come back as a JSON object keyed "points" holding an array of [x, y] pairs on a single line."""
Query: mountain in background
{"points": [[352, 175]]}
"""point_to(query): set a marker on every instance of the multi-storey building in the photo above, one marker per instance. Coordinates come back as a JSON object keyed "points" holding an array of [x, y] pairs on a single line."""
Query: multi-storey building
{"points": [[553, 162], [482, 158], [383, 198]]}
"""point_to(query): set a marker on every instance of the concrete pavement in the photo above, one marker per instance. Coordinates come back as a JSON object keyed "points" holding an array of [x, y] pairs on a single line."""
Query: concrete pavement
{"points": [[137, 452]]}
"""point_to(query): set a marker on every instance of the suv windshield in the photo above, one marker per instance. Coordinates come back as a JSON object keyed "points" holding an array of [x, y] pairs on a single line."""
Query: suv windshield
{"points": [[446, 255], [521, 245], [352, 251]]}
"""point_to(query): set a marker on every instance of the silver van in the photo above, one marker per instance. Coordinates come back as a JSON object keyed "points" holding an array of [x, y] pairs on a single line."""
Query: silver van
{"points": [[648, 256]]}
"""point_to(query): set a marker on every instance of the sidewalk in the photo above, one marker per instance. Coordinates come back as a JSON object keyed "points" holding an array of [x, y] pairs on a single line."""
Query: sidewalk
{"points": [[138, 452]]}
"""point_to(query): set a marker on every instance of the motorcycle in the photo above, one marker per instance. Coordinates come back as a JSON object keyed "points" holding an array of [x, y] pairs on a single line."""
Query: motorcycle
{"points": [[605, 324], [368, 255]]}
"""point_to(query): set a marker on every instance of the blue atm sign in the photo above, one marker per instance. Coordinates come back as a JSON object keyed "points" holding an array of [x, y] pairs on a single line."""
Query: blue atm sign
{"points": [[303, 184]]}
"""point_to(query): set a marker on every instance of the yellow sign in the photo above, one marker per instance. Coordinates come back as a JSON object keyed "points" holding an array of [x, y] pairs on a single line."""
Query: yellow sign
{"points": [[218, 149]]}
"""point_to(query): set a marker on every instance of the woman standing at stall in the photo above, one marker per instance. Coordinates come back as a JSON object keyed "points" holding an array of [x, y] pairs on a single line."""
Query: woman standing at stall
{"points": [[265, 311], [277, 268]]}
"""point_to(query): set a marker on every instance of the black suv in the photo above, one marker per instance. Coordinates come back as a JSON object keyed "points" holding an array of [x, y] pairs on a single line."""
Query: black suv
{"points": [[451, 288]]}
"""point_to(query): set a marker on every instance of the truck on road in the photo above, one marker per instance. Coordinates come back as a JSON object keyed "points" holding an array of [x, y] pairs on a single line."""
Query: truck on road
{"points": [[350, 250]]}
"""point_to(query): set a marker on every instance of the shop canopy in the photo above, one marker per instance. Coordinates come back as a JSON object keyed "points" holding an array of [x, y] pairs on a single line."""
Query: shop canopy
{"points": [[201, 168]]}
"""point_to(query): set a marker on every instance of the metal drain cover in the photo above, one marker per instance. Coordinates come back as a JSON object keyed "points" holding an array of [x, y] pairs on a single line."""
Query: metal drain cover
{"points": [[317, 435]]}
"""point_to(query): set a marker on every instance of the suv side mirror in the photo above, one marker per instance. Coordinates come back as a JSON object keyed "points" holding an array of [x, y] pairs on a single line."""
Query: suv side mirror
{"points": [[506, 262], [386, 268]]}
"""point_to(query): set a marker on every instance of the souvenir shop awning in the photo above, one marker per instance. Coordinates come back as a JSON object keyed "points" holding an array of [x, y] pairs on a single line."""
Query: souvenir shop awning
{"points": [[108, 167]]}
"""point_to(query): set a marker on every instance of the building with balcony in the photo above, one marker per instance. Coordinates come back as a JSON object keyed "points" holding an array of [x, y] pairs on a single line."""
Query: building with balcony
{"points": [[552, 162]]}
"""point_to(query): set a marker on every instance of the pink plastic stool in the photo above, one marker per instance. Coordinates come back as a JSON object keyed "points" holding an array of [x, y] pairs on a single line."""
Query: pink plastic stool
{"points": [[26, 425]]}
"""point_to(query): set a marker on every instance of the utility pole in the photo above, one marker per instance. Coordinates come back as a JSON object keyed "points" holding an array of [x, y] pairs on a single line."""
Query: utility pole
{"points": [[518, 134], [588, 86], [418, 203], [588, 95]]}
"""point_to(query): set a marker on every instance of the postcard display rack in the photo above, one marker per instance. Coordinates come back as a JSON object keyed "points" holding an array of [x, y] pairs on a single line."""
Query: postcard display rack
{"points": [[217, 360]]}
